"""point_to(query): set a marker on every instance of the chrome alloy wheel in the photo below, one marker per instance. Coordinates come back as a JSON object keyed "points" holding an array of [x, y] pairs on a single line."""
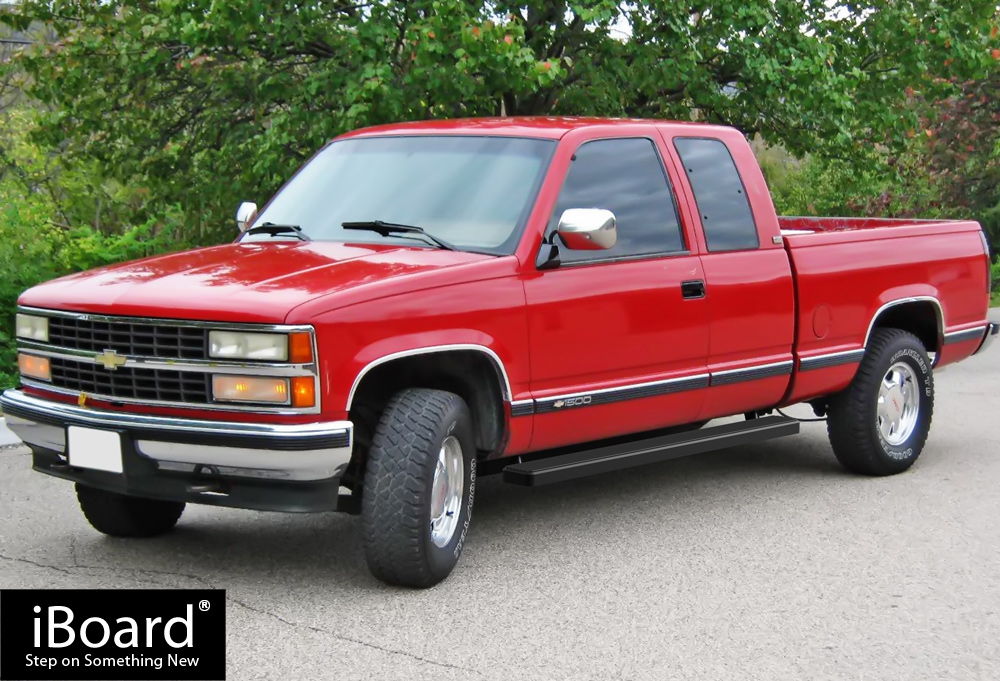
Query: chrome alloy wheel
{"points": [[446, 492], [898, 404]]}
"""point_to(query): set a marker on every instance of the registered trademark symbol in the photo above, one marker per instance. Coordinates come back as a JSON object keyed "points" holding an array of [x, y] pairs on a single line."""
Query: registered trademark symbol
{"points": [[204, 606]]}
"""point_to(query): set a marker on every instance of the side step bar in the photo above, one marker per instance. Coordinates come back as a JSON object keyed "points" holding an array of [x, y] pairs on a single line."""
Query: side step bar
{"points": [[652, 450]]}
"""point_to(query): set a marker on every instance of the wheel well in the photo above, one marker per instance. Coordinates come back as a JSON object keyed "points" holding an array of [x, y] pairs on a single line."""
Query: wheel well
{"points": [[470, 374], [920, 318]]}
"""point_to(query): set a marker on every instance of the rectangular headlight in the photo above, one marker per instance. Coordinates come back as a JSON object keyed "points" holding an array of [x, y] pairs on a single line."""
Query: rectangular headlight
{"points": [[33, 366], [240, 345], [32, 327], [226, 388]]}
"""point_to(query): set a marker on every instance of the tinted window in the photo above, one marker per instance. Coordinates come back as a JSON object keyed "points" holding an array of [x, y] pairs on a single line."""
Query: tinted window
{"points": [[718, 189], [626, 177]]}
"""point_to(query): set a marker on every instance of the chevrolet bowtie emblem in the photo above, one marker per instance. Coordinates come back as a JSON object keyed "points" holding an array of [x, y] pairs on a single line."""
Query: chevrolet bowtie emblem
{"points": [[110, 360]]}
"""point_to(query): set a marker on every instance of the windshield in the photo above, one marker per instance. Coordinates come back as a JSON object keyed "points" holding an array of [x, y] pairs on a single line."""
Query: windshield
{"points": [[471, 192]]}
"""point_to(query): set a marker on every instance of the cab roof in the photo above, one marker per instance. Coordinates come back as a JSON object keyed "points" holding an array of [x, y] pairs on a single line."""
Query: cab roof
{"points": [[546, 127]]}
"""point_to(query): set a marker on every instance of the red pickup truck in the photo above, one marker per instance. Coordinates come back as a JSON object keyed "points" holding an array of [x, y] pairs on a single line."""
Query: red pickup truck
{"points": [[424, 303]]}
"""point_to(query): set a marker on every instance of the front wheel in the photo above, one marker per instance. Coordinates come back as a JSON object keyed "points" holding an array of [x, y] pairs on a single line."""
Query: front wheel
{"points": [[419, 487], [119, 515], [879, 424]]}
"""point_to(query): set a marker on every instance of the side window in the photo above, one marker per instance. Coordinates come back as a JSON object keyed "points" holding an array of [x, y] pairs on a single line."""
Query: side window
{"points": [[626, 177], [718, 189]]}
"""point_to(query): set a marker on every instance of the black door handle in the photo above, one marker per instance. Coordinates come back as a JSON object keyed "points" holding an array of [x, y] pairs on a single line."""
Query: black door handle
{"points": [[690, 290]]}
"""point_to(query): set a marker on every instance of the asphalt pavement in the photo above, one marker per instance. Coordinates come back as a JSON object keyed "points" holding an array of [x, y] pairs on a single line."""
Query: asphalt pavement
{"points": [[763, 562]]}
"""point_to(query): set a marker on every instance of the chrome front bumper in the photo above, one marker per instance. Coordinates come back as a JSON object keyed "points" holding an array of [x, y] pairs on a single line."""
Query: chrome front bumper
{"points": [[210, 457]]}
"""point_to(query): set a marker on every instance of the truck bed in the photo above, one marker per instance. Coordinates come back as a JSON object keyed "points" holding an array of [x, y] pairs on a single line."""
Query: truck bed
{"points": [[846, 269]]}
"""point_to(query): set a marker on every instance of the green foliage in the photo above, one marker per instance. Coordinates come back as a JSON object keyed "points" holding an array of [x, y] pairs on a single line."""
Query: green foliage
{"points": [[949, 168], [33, 251], [827, 187], [208, 102], [961, 156], [35, 246]]}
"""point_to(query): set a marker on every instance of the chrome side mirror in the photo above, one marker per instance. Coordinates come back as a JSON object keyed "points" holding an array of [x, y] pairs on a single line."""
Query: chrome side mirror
{"points": [[245, 215], [588, 229]]}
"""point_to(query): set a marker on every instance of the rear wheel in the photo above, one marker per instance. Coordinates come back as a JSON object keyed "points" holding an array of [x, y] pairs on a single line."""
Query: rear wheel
{"points": [[118, 515], [879, 424], [419, 487]]}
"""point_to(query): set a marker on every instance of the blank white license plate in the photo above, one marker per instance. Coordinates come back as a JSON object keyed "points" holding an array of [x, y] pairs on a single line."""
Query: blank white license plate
{"points": [[97, 449]]}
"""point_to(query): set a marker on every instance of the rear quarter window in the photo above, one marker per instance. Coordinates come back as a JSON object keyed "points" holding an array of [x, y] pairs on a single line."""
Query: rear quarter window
{"points": [[719, 192]]}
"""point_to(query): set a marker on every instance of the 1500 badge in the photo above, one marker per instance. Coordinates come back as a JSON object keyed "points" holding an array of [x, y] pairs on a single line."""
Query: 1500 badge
{"points": [[572, 402]]}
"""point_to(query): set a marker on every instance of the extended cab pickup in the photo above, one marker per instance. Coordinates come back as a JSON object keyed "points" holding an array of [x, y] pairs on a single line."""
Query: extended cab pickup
{"points": [[547, 297]]}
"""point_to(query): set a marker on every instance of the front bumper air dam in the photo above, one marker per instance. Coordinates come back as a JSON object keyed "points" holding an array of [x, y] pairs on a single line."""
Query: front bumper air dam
{"points": [[262, 466]]}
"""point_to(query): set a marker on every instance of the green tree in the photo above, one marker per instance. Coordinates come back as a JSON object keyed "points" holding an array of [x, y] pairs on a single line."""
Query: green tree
{"points": [[962, 154], [205, 102]]}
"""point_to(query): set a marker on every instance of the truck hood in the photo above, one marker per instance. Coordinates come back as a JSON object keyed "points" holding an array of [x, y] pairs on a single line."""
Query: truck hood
{"points": [[246, 282]]}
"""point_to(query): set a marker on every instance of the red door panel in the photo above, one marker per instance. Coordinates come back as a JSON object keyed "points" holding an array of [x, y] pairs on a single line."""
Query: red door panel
{"points": [[622, 328]]}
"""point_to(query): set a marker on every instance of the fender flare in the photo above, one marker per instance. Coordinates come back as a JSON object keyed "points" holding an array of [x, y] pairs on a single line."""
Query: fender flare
{"points": [[434, 349]]}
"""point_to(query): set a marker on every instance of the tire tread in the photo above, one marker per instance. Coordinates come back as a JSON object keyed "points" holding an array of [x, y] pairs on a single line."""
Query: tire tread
{"points": [[849, 412], [393, 504]]}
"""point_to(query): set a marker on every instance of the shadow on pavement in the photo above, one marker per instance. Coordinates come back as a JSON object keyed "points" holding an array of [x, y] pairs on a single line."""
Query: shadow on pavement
{"points": [[222, 546]]}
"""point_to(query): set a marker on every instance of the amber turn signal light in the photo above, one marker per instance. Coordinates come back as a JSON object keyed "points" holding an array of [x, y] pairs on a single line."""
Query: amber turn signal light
{"points": [[33, 366], [300, 349], [303, 391]]}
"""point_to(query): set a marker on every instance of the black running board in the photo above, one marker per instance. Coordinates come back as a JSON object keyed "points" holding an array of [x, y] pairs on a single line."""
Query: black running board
{"points": [[604, 459]]}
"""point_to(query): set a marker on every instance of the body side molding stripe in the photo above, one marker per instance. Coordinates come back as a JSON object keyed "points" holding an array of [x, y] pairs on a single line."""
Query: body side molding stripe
{"points": [[651, 389], [752, 373], [965, 335], [831, 360], [522, 408], [619, 394]]}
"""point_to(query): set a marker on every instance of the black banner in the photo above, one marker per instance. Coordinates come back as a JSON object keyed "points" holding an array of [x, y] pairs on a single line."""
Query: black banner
{"points": [[140, 634]]}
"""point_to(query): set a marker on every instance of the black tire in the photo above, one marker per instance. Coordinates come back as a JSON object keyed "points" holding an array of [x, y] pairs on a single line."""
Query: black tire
{"points": [[118, 515], [396, 501], [853, 421]]}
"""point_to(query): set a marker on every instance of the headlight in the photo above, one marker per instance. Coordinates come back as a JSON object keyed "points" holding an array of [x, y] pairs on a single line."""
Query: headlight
{"points": [[227, 388], [32, 327], [238, 345], [34, 367]]}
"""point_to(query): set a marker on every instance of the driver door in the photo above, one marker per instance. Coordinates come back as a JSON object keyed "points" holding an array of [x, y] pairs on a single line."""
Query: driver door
{"points": [[619, 337]]}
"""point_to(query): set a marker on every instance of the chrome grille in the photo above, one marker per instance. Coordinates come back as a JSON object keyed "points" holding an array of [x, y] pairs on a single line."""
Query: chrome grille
{"points": [[132, 383], [129, 338], [152, 361]]}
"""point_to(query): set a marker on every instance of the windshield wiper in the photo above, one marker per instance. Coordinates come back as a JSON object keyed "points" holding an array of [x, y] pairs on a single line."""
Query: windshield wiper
{"points": [[388, 228], [274, 230]]}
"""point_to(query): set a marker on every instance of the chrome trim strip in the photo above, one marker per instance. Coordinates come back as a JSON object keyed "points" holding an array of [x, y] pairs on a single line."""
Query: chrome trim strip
{"points": [[306, 464], [198, 324], [431, 349], [751, 373], [903, 301], [14, 399], [831, 359], [621, 393], [197, 406], [625, 387], [522, 408], [195, 365], [294, 452], [964, 335], [654, 388]]}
